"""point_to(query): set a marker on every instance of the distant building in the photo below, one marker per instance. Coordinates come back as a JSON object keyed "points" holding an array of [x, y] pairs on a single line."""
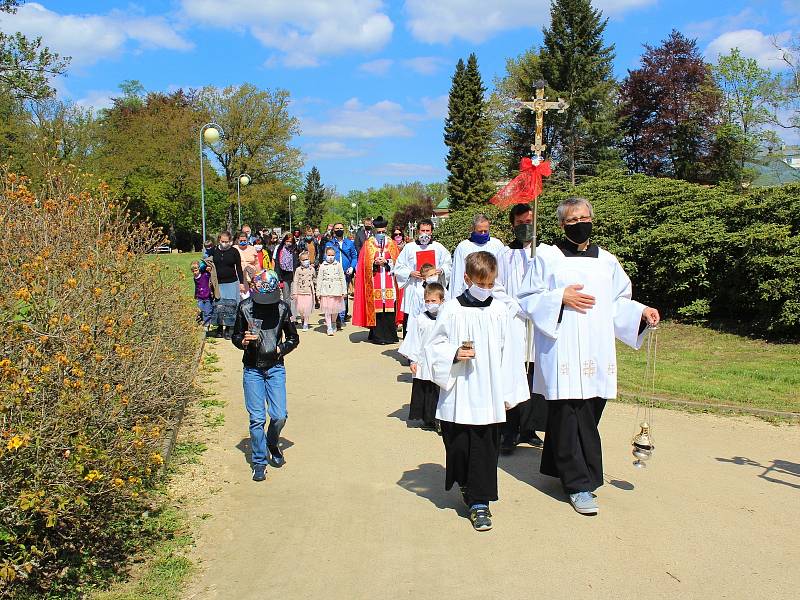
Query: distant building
{"points": [[442, 210], [777, 167]]}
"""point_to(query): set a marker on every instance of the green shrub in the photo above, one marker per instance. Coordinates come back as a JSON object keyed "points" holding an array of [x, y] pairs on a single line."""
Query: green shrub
{"points": [[95, 360]]}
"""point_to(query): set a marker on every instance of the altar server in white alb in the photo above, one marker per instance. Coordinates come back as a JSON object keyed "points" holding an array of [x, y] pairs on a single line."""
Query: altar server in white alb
{"points": [[476, 367], [479, 239], [423, 250], [424, 393], [579, 298], [524, 420]]}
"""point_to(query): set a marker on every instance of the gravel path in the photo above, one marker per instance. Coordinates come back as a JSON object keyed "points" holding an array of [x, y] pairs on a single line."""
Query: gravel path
{"points": [[359, 510]]}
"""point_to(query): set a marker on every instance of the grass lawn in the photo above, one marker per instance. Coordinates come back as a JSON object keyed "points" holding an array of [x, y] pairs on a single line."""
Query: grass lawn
{"points": [[175, 265], [702, 365]]}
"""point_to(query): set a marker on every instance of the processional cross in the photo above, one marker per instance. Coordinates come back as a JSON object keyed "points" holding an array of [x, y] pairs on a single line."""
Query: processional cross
{"points": [[540, 105]]}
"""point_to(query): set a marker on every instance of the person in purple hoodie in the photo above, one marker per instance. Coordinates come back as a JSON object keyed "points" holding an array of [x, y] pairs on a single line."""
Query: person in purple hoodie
{"points": [[202, 292]]}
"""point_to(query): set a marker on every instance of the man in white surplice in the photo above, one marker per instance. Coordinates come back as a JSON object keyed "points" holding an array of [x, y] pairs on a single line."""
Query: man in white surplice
{"points": [[406, 270], [525, 419], [479, 239], [579, 298]]}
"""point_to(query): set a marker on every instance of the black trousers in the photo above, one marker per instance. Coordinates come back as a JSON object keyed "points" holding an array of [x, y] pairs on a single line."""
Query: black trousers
{"points": [[572, 448], [526, 417], [471, 459], [424, 399]]}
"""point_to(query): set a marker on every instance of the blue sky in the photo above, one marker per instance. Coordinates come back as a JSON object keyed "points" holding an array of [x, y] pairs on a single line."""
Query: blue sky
{"points": [[369, 79]]}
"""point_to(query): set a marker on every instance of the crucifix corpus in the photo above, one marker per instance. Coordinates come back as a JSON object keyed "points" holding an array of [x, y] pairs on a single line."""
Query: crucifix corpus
{"points": [[539, 105]]}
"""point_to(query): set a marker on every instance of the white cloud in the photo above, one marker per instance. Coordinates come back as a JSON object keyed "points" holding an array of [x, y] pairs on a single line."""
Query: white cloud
{"points": [[302, 31], [356, 121], [441, 21], [97, 99], [710, 28], [425, 65], [376, 67], [752, 44], [436, 108], [406, 170], [333, 150], [90, 38]]}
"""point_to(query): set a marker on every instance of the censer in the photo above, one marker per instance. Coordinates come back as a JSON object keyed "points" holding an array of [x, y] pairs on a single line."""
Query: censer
{"points": [[642, 442]]}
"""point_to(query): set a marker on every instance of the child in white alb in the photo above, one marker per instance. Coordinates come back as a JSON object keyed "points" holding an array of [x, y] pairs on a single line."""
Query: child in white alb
{"points": [[424, 393]]}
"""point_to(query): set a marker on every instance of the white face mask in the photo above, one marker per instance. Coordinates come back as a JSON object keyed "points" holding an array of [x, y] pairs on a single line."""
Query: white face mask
{"points": [[432, 279], [480, 294], [330, 258], [305, 263], [258, 247], [424, 239], [432, 307], [224, 245]]}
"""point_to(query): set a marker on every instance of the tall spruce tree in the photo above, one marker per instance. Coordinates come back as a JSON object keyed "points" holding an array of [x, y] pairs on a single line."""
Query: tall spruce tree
{"points": [[314, 197], [578, 67], [467, 134]]}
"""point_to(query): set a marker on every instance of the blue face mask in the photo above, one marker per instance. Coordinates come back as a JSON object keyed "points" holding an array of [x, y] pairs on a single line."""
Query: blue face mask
{"points": [[380, 238], [479, 238]]}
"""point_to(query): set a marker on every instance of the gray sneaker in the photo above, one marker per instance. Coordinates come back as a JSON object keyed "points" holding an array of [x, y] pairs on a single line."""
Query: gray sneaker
{"points": [[584, 503]]}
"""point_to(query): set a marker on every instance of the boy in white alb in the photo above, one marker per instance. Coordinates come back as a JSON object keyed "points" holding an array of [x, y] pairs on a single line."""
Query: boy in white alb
{"points": [[473, 362], [424, 393]]}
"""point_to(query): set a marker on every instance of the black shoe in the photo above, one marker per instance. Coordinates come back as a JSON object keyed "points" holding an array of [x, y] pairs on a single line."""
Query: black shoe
{"points": [[218, 332], [428, 426], [481, 517], [532, 439], [508, 445], [228, 333], [277, 458], [259, 472]]}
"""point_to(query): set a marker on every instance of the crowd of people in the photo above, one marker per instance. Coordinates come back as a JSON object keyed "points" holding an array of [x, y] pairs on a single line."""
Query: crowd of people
{"points": [[502, 342]]}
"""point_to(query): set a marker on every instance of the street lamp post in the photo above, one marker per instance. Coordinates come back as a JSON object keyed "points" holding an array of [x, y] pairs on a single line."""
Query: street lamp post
{"points": [[292, 198], [243, 179], [210, 132], [355, 205]]}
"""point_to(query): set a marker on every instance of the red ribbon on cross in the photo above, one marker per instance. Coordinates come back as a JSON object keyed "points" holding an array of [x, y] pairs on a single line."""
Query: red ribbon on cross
{"points": [[525, 187]]}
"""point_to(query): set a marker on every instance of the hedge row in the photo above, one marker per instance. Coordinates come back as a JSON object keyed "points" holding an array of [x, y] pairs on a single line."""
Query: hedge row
{"points": [[697, 253], [95, 359]]}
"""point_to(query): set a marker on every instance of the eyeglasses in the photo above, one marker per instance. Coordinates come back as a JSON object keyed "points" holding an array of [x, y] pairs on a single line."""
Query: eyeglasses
{"points": [[573, 220]]}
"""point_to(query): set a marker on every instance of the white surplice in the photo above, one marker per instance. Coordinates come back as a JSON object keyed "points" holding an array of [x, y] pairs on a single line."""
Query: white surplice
{"points": [[474, 392], [511, 266], [413, 291], [462, 251], [575, 353], [417, 337]]}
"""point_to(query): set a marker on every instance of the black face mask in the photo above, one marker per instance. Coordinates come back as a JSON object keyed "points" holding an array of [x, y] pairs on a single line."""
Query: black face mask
{"points": [[339, 232], [523, 232], [578, 233]]}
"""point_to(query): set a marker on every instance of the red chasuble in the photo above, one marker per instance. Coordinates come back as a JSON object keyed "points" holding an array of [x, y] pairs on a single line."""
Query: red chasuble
{"points": [[375, 290]]}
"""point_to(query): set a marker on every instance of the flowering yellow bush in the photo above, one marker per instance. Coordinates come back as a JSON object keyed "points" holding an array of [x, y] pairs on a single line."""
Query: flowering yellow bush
{"points": [[95, 361]]}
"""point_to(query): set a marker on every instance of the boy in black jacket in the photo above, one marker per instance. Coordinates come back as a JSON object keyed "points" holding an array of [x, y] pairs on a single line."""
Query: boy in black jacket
{"points": [[265, 331]]}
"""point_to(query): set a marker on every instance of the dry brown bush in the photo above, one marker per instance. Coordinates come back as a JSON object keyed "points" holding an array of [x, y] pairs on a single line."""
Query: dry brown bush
{"points": [[96, 358]]}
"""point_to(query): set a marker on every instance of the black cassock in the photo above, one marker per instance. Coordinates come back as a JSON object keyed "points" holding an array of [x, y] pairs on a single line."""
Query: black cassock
{"points": [[472, 452]]}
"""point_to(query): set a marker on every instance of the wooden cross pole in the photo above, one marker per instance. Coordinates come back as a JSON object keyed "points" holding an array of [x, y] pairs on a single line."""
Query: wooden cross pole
{"points": [[539, 105]]}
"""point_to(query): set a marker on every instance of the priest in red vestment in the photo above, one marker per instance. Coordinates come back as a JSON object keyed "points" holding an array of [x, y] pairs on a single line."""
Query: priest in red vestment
{"points": [[376, 303]]}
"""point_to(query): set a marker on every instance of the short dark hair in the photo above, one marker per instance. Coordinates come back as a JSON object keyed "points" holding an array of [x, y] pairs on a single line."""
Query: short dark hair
{"points": [[517, 210], [424, 222]]}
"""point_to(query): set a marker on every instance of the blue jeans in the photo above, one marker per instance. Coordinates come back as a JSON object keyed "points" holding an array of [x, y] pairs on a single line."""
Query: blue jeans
{"points": [[343, 314], [206, 310], [265, 392]]}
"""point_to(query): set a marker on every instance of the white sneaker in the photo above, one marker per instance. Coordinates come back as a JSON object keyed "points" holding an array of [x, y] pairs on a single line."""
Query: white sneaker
{"points": [[330, 331], [584, 503]]}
